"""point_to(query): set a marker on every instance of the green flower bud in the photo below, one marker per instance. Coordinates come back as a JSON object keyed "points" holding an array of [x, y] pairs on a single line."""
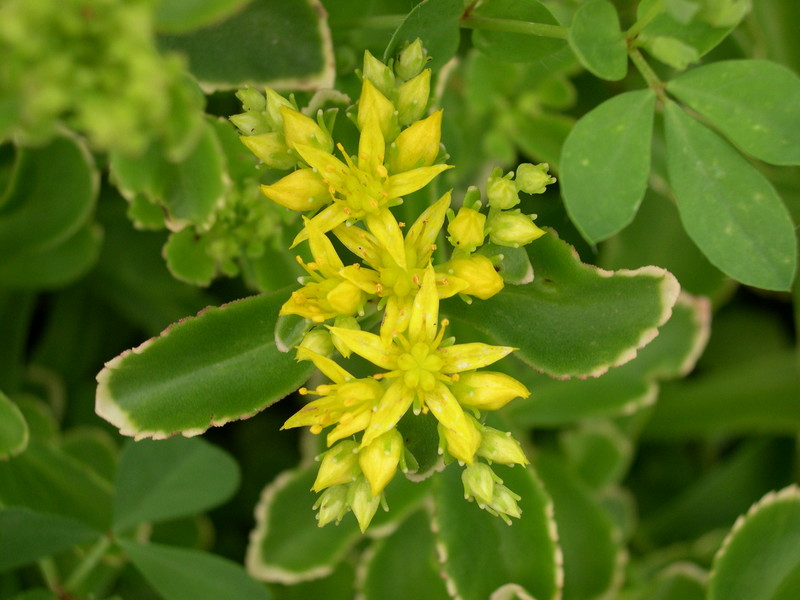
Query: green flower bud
{"points": [[339, 465], [318, 340], [533, 179], [478, 271], [479, 481], [504, 504], [513, 229], [412, 98], [502, 193], [250, 123], [363, 504], [274, 104], [251, 99], [500, 447], [411, 60], [379, 460], [487, 390], [332, 504], [379, 74], [299, 129], [271, 149], [467, 229]]}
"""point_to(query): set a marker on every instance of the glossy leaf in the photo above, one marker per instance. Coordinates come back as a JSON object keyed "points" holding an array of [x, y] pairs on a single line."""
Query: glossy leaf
{"points": [[13, 429], [47, 480], [596, 39], [55, 266], [522, 558], [404, 565], [51, 196], [436, 23], [760, 559], [755, 103], [605, 163], [169, 479], [178, 16], [28, 535], [626, 389], [515, 47], [177, 573], [204, 371], [728, 208], [272, 43], [590, 569], [574, 320]]}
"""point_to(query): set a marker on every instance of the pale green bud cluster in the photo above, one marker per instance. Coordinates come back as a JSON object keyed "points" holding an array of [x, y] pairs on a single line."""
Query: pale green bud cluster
{"points": [[482, 485]]}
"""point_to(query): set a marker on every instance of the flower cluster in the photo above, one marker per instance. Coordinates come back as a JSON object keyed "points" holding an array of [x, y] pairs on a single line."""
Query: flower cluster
{"points": [[417, 369]]}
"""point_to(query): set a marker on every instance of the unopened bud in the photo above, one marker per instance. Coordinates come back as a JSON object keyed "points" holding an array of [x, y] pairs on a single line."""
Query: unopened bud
{"points": [[300, 190], [411, 60], [479, 273], [271, 149], [467, 229], [513, 229], [416, 146], [502, 192], [363, 504], [250, 123], [412, 98], [339, 465], [332, 505], [251, 99], [380, 458], [319, 341], [533, 179], [303, 130], [500, 447], [274, 103], [479, 481], [504, 504], [379, 74]]}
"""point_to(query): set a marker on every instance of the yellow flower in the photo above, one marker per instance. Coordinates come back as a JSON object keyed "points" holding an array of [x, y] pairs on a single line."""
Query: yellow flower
{"points": [[421, 372], [478, 272]]}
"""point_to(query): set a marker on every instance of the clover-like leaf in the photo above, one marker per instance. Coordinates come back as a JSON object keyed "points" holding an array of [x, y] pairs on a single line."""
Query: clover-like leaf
{"points": [[204, 371], [596, 39]]}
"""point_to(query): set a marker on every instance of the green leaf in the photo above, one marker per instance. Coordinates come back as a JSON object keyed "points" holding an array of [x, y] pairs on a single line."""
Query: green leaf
{"points": [[404, 565], [605, 163], [626, 389], [482, 557], [516, 47], [268, 43], [51, 196], [590, 570], [190, 189], [679, 581], [728, 208], [187, 258], [598, 452], [55, 266], [178, 574], [574, 320], [755, 103], [436, 23], [287, 546], [179, 16], [596, 39], [173, 478], [541, 136], [13, 429], [28, 535], [45, 479], [760, 559], [217, 367]]}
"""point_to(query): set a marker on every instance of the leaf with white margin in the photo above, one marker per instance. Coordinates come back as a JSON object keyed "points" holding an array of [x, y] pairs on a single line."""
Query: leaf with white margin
{"points": [[482, 557], [208, 370], [760, 558], [574, 320]]}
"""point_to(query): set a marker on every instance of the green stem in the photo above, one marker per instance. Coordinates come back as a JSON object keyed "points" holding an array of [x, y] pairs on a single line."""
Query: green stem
{"points": [[647, 72], [49, 572], [634, 29], [88, 563], [514, 26]]}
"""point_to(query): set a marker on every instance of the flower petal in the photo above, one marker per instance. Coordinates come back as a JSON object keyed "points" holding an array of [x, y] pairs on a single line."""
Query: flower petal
{"points": [[411, 181], [421, 238], [328, 261], [371, 149], [329, 368], [329, 168], [417, 145], [463, 437], [325, 220], [391, 408], [360, 242], [386, 230], [425, 310], [467, 357], [369, 346], [300, 190]]}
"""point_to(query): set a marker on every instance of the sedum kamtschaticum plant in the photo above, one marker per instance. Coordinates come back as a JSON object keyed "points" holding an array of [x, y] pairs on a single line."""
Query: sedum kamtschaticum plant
{"points": [[397, 270]]}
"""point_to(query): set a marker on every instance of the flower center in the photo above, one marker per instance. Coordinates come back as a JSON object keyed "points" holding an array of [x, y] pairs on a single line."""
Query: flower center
{"points": [[420, 365]]}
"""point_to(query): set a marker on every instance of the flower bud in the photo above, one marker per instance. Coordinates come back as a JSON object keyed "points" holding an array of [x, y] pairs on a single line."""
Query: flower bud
{"points": [[332, 505], [379, 74], [467, 229], [500, 447], [502, 193], [303, 130], [504, 504], [412, 98], [251, 99], [513, 229], [487, 390], [533, 179], [416, 146], [339, 465], [411, 60], [346, 298], [250, 123], [380, 458], [372, 104], [479, 480], [274, 103], [461, 443], [271, 149], [363, 504], [317, 340], [477, 270], [300, 190]]}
